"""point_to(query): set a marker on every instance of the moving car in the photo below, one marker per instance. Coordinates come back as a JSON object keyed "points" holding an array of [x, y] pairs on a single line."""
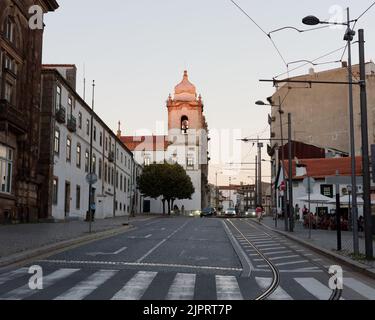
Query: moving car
{"points": [[230, 212], [251, 213], [208, 212]]}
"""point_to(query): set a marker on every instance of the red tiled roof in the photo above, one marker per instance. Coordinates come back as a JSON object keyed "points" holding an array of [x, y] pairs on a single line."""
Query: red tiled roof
{"points": [[321, 168], [146, 143], [48, 66]]}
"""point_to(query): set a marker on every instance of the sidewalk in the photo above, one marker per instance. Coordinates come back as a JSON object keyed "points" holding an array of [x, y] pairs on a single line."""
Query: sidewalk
{"points": [[324, 241], [39, 237]]}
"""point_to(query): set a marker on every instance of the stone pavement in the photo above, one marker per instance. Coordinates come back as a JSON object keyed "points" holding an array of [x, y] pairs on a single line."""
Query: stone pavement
{"points": [[19, 238], [325, 239]]}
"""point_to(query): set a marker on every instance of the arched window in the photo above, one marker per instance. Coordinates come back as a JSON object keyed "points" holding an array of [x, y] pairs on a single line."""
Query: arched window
{"points": [[184, 124]]}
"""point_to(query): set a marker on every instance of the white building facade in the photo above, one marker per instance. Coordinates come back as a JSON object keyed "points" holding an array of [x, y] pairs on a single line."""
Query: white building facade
{"points": [[68, 118]]}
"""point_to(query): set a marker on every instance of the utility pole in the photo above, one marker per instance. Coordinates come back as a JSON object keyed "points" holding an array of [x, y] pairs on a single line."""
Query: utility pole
{"points": [[365, 151], [91, 154], [283, 166], [338, 215], [260, 146], [349, 37], [256, 181], [290, 175]]}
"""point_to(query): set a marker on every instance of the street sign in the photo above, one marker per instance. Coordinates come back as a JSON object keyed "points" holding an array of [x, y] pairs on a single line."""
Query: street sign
{"points": [[306, 184], [91, 178], [346, 180]]}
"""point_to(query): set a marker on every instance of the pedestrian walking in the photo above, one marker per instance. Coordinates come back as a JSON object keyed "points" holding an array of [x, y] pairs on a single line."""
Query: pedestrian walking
{"points": [[93, 208], [296, 212]]}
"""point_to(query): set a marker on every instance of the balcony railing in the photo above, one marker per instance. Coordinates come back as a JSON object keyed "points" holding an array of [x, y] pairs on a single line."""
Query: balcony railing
{"points": [[13, 116], [61, 115], [72, 124]]}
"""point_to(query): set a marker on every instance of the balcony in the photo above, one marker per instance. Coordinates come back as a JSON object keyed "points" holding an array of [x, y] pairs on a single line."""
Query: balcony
{"points": [[72, 124], [61, 115], [111, 156], [14, 117]]}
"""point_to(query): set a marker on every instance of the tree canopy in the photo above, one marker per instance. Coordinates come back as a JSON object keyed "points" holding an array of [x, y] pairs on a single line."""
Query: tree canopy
{"points": [[169, 181]]}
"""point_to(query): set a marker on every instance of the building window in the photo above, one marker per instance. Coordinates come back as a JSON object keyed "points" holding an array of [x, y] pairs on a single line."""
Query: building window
{"points": [[101, 139], [105, 172], [116, 179], [326, 190], [122, 157], [6, 169], [9, 92], [70, 105], [87, 160], [125, 184], [55, 190], [94, 133], [100, 169], [58, 98], [68, 149], [147, 161], [78, 197], [113, 177], [57, 141], [88, 127], [9, 29], [120, 206], [121, 182], [190, 162], [94, 163], [116, 205], [79, 155], [106, 144], [80, 120]]}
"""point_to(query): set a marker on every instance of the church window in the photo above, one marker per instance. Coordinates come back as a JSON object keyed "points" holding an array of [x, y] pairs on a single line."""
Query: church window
{"points": [[184, 124]]}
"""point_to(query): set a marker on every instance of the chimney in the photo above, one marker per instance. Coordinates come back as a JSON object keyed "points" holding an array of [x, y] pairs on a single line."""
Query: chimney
{"points": [[344, 64]]}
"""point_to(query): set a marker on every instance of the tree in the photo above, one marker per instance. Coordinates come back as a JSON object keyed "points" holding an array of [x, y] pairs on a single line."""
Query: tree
{"points": [[168, 181]]}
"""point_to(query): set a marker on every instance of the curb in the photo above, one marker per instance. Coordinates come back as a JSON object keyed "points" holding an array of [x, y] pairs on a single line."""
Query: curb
{"points": [[33, 253], [369, 271]]}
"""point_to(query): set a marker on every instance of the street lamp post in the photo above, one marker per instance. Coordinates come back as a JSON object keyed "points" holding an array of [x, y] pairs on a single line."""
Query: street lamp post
{"points": [[349, 34], [281, 112], [91, 200]]}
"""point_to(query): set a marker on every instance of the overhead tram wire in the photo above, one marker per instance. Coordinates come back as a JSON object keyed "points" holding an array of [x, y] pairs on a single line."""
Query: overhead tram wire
{"points": [[261, 29], [368, 9]]}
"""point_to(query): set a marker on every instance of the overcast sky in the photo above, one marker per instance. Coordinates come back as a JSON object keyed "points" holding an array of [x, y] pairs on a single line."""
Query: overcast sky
{"points": [[136, 50]]}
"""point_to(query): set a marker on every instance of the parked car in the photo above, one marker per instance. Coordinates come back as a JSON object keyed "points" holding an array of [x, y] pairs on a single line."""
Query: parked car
{"points": [[208, 212], [230, 212], [251, 213]]}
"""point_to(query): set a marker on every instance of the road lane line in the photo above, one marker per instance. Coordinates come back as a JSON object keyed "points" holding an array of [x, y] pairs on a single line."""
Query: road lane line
{"points": [[361, 288], [148, 236], [84, 288], [279, 294], [5, 277], [25, 292], [227, 288], [182, 287], [135, 287], [316, 288], [162, 242]]}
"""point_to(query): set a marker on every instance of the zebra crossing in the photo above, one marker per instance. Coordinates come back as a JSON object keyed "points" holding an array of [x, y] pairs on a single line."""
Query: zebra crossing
{"points": [[181, 287]]}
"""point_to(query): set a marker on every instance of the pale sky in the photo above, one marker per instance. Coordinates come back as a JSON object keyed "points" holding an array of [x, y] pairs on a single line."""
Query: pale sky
{"points": [[137, 50]]}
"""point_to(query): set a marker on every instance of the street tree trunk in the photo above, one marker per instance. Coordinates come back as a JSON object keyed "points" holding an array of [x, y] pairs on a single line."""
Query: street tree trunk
{"points": [[163, 201]]}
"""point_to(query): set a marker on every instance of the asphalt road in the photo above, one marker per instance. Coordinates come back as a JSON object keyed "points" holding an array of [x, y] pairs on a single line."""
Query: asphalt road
{"points": [[185, 259]]}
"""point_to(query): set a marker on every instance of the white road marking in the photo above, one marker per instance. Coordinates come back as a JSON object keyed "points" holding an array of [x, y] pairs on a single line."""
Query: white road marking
{"points": [[316, 288], [271, 245], [141, 264], [107, 253], [162, 242], [135, 287], [279, 258], [25, 292], [361, 288], [274, 248], [148, 236], [182, 287], [84, 288], [13, 275], [277, 252], [279, 294], [227, 288], [283, 263]]}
